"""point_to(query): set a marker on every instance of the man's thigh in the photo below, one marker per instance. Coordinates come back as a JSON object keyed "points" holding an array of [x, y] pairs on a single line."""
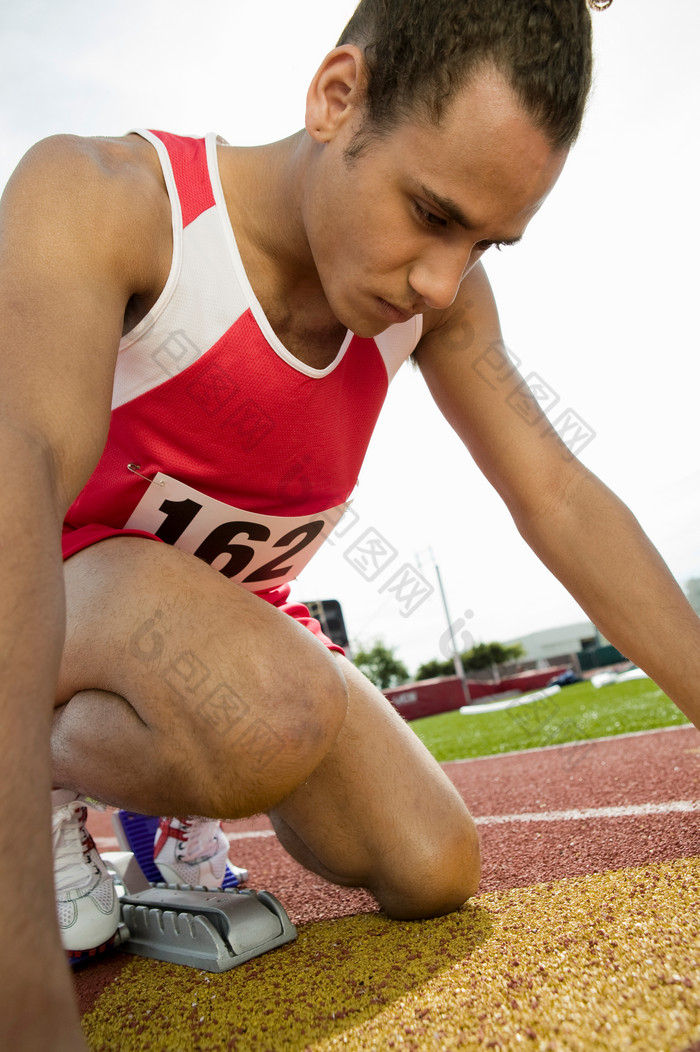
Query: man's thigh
{"points": [[380, 813], [168, 660]]}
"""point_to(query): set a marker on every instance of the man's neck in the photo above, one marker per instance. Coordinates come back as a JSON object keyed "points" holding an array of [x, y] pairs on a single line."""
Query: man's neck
{"points": [[262, 188]]}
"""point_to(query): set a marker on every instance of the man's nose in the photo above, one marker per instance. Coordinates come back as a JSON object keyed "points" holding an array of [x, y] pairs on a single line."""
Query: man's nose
{"points": [[436, 278]]}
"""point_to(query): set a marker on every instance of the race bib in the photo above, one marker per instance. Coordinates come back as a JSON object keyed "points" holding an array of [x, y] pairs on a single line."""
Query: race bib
{"points": [[256, 550]]}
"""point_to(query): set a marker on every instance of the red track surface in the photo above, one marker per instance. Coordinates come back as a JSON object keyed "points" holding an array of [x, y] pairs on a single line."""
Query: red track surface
{"points": [[654, 768], [657, 768]]}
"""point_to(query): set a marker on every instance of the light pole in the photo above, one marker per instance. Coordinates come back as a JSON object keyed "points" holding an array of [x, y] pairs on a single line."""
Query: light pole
{"points": [[456, 659]]}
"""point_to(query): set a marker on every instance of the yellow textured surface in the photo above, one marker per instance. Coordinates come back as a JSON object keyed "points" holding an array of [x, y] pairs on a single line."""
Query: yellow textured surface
{"points": [[593, 963]]}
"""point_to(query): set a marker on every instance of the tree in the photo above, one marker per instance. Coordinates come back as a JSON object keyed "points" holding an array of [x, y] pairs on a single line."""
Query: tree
{"points": [[482, 655], [434, 668], [381, 666]]}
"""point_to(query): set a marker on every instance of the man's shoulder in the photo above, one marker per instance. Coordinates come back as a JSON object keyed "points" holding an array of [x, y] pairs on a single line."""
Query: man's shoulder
{"points": [[119, 176], [98, 203]]}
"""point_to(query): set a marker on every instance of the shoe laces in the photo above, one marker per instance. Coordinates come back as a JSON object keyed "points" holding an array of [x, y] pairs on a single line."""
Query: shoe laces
{"points": [[70, 843], [199, 839]]}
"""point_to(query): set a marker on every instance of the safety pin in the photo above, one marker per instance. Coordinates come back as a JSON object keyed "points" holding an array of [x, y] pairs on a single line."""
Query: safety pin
{"points": [[136, 469]]}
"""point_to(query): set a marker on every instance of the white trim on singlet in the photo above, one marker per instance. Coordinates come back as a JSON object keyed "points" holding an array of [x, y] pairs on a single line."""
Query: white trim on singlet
{"points": [[206, 291], [174, 274], [394, 344], [398, 342], [253, 303], [202, 296]]}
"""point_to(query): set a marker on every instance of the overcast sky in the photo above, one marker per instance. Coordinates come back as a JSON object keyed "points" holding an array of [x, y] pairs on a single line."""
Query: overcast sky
{"points": [[599, 301]]}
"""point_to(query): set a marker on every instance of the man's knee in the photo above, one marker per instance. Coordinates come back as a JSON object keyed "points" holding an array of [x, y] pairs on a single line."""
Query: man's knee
{"points": [[213, 681], [443, 872], [272, 748]]}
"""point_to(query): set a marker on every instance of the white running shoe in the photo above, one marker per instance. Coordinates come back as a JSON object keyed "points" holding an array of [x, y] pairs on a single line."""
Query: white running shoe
{"points": [[86, 901], [193, 851]]}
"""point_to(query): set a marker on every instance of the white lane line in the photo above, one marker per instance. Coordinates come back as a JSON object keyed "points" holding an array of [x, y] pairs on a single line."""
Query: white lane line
{"points": [[106, 843], [250, 834], [626, 811], [109, 843], [103, 843], [673, 806]]}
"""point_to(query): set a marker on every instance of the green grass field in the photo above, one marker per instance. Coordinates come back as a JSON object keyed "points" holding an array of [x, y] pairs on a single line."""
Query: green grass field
{"points": [[575, 713]]}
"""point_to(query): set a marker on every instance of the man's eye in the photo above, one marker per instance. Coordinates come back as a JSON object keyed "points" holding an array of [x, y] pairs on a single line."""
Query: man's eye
{"points": [[428, 217], [482, 246]]}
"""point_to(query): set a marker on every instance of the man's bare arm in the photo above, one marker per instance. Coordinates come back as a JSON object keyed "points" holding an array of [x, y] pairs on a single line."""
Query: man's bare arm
{"points": [[65, 281], [580, 530]]}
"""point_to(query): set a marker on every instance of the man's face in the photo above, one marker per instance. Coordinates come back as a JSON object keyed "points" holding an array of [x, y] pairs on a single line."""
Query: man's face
{"points": [[395, 232]]}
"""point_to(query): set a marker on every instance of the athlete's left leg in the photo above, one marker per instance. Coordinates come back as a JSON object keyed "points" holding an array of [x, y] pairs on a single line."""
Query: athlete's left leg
{"points": [[184, 694], [380, 813]]}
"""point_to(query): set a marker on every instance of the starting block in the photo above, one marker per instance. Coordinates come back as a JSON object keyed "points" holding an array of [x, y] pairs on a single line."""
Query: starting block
{"points": [[211, 930], [214, 930]]}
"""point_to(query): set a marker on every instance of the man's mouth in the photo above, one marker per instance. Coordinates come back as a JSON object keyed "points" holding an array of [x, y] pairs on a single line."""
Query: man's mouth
{"points": [[395, 313]]}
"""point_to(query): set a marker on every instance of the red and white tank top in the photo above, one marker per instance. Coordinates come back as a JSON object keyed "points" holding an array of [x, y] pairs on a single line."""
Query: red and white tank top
{"points": [[220, 440]]}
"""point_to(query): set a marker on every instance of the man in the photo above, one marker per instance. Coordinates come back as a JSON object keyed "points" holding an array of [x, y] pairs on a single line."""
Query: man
{"points": [[432, 133]]}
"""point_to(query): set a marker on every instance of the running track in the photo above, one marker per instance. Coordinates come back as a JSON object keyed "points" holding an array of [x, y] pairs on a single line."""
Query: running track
{"points": [[585, 933]]}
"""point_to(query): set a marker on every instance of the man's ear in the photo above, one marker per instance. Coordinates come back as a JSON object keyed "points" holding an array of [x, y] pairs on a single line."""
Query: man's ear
{"points": [[336, 93]]}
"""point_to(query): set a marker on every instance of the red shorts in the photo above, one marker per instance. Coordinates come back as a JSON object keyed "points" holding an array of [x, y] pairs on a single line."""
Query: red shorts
{"points": [[75, 539]]}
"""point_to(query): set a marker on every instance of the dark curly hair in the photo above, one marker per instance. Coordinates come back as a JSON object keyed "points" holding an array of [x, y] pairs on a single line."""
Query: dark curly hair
{"points": [[419, 52]]}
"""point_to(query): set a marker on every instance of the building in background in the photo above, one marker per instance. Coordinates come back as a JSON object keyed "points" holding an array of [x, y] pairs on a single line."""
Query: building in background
{"points": [[329, 613], [552, 643], [580, 645]]}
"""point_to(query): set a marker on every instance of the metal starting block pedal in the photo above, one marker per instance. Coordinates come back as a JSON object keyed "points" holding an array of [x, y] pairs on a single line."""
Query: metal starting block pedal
{"points": [[204, 928], [212, 930]]}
